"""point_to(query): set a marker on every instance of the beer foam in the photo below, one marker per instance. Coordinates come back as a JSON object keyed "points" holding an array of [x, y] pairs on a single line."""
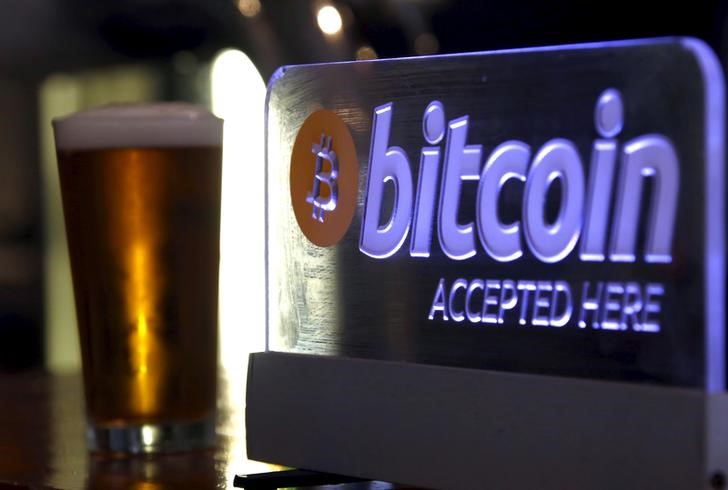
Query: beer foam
{"points": [[158, 125]]}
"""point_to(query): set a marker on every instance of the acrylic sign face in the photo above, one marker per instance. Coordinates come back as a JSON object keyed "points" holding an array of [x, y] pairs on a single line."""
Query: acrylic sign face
{"points": [[551, 211]]}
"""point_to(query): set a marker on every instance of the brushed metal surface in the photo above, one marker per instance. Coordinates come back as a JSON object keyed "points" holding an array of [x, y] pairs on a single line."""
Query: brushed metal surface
{"points": [[338, 301]]}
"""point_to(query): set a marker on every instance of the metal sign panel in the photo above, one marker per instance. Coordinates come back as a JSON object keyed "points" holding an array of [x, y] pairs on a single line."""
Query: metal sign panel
{"points": [[553, 210]]}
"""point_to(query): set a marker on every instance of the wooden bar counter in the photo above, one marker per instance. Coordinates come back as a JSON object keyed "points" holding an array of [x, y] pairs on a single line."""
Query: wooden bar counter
{"points": [[42, 443]]}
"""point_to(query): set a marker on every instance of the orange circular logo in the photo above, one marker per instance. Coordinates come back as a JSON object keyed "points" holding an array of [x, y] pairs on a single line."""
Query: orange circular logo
{"points": [[324, 178]]}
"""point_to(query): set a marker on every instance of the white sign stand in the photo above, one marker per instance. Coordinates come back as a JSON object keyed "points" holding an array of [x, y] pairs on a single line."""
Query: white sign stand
{"points": [[441, 427]]}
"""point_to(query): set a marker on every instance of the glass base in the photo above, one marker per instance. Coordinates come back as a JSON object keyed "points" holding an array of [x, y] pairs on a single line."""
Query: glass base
{"points": [[152, 438]]}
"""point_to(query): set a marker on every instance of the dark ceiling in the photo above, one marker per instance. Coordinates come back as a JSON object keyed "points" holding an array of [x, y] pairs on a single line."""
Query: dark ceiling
{"points": [[41, 36]]}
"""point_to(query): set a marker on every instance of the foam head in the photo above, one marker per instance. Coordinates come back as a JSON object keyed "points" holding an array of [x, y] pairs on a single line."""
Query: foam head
{"points": [[158, 125]]}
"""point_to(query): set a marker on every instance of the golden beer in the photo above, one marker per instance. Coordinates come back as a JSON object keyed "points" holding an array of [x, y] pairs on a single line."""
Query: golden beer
{"points": [[141, 200]]}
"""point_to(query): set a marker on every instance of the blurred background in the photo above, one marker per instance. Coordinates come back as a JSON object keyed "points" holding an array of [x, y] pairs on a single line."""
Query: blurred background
{"points": [[59, 56]]}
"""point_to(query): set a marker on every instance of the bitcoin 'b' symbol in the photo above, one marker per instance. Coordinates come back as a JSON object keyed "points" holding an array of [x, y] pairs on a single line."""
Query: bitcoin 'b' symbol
{"points": [[323, 151], [324, 205]]}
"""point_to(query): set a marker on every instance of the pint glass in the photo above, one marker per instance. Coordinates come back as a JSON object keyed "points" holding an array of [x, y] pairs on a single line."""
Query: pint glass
{"points": [[141, 199]]}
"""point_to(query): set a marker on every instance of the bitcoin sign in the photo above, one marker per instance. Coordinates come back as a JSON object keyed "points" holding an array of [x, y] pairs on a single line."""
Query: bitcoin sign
{"points": [[540, 211], [324, 175]]}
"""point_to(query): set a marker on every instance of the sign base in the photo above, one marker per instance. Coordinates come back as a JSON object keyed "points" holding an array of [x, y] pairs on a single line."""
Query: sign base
{"points": [[444, 427]]}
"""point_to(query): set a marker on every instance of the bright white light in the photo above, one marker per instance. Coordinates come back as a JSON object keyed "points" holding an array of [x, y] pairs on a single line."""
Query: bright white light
{"points": [[329, 20], [238, 96], [147, 435]]}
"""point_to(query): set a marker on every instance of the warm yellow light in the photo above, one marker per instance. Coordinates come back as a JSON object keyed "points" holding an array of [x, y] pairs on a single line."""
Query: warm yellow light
{"points": [[426, 43], [142, 289], [329, 20], [142, 348], [366, 53], [249, 8]]}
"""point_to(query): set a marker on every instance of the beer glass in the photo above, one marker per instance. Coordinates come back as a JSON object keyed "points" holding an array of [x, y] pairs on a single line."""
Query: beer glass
{"points": [[141, 200]]}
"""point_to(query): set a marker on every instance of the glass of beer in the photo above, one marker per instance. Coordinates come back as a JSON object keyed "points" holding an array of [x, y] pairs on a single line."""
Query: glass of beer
{"points": [[141, 200]]}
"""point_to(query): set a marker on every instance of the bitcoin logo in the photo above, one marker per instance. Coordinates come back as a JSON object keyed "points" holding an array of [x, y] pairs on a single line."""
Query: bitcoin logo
{"points": [[324, 153], [324, 178]]}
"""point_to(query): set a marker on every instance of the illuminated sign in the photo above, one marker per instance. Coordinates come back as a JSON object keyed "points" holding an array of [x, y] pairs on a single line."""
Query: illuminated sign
{"points": [[644, 156], [554, 211]]}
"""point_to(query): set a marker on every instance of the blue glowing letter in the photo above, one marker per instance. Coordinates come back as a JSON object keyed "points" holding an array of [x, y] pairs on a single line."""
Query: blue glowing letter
{"points": [[462, 162], [646, 156], [508, 161], [552, 242], [386, 164]]}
